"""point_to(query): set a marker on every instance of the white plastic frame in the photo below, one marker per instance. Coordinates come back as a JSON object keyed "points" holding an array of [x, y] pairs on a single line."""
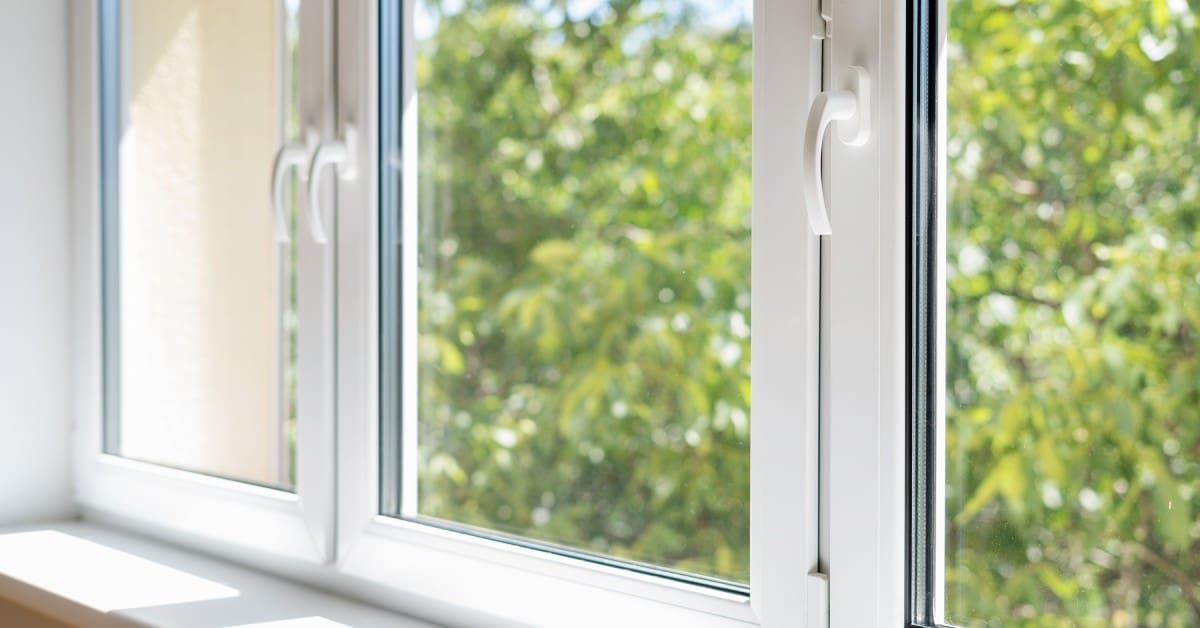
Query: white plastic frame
{"points": [[867, 325], [236, 519], [463, 579], [453, 576]]}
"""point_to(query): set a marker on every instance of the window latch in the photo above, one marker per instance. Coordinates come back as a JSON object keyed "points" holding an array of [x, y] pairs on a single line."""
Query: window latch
{"points": [[343, 153], [291, 155], [852, 104]]}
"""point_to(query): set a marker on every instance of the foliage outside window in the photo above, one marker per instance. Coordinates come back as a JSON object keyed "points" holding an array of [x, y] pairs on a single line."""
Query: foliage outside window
{"points": [[584, 202], [1073, 412]]}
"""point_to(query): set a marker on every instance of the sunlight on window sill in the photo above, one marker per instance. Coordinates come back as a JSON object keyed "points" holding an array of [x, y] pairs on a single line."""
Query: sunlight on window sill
{"points": [[299, 622], [100, 577]]}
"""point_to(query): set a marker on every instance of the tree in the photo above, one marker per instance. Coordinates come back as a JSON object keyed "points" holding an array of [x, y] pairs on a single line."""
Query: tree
{"points": [[1074, 303], [584, 356], [584, 340]]}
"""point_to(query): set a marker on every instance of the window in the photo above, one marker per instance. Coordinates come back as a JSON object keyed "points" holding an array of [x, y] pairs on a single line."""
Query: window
{"points": [[562, 397], [576, 279], [519, 297], [213, 412], [1061, 280], [406, 298], [200, 284]]}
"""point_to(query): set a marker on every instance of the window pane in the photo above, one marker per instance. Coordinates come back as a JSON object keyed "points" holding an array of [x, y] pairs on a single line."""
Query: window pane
{"points": [[582, 295], [1073, 270], [200, 295]]}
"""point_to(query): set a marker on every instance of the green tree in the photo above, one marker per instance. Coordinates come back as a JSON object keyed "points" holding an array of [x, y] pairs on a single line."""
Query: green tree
{"points": [[584, 204], [1074, 304], [584, 277]]}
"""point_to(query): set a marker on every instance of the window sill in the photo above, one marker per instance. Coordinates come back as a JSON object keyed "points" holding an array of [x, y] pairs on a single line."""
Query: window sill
{"points": [[82, 573]]}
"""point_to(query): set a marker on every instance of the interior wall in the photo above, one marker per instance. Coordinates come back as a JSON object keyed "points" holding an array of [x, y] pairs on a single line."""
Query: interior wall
{"points": [[198, 253], [35, 342]]}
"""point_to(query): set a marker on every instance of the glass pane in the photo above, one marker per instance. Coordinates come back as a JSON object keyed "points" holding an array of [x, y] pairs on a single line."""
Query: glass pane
{"points": [[204, 91], [1073, 268], [582, 300]]}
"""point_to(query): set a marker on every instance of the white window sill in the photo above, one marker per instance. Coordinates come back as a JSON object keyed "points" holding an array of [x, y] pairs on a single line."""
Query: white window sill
{"points": [[82, 573]]}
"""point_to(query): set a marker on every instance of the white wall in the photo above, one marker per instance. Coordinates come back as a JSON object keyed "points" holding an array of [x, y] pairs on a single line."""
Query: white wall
{"points": [[199, 332], [35, 301]]}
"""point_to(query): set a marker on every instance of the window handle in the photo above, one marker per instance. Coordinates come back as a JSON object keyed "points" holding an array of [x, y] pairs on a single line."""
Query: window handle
{"points": [[287, 157], [852, 104], [341, 152]]}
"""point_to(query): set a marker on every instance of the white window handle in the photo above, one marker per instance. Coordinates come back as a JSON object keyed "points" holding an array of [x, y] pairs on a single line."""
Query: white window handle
{"points": [[289, 156], [343, 153], [827, 107]]}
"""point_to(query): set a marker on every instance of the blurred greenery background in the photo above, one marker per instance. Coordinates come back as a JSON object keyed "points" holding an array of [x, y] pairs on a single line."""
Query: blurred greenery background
{"points": [[584, 203], [584, 283], [1073, 262]]}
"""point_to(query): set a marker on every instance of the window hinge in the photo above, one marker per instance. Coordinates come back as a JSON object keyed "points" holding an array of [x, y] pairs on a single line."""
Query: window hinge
{"points": [[818, 600], [825, 24]]}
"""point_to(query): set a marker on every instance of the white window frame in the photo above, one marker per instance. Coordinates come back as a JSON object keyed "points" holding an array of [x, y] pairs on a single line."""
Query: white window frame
{"points": [[867, 331], [225, 516], [527, 586], [458, 578]]}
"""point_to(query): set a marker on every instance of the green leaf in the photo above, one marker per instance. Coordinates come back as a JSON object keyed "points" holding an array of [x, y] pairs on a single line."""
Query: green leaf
{"points": [[554, 254], [1006, 478]]}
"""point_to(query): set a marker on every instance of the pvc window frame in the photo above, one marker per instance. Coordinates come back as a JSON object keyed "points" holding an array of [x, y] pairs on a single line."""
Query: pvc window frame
{"points": [[847, 375], [865, 416], [511, 583], [223, 515], [927, 309]]}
